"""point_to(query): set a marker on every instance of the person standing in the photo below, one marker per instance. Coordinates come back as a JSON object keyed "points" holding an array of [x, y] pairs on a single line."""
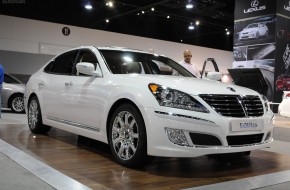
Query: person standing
{"points": [[187, 64], [1, 83]]}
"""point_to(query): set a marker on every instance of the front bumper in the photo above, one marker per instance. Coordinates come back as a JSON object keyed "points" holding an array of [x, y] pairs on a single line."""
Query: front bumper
{"points": [[210, 125]]}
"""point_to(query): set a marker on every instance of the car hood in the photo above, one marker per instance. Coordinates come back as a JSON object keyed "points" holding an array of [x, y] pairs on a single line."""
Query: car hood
{"points": [[190, 85], [249, 30], [14, 87]]}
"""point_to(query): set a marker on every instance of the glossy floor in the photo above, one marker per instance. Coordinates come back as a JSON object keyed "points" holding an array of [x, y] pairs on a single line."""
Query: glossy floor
{"points": [[61, 160]]}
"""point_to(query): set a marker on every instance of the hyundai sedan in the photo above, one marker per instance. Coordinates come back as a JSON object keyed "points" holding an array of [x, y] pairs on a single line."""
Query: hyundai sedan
{"points": [[130, 100]]}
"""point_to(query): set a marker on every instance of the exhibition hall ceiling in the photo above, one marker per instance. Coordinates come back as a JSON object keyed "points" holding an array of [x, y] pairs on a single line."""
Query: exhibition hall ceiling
{"points": [[165, 20]]}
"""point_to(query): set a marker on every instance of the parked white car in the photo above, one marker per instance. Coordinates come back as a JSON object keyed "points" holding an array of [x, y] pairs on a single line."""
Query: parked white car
{"points": [[284, 106], [12, 94], [254, 30], [130, 100]]}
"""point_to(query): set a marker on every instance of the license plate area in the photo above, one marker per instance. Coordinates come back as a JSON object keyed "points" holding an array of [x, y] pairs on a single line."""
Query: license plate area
{"points": [[246, 125]]}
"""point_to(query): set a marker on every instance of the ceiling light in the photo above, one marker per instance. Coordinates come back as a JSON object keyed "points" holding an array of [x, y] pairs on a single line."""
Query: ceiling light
{"points": [[110, 4], [226, 29], [152, 9], [168, 16], [138, 14], [88, 6], [181, 40], [197, 23], [189, 6], [143, 12], [107, 20], [191, 27], [228, 32]]}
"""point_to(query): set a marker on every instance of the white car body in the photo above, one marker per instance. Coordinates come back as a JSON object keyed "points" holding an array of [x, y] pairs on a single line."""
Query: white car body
{"points": [[254, 30], [284, 106], [82, 105]]}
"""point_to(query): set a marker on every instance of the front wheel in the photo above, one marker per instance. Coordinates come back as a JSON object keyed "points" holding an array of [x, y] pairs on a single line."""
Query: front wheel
{"points": [[127, 136], [34, 117], [16, 103]]}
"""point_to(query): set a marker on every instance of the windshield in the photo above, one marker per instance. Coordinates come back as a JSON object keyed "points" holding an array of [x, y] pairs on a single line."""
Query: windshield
{"points": [[126, 62], [253, 26]]}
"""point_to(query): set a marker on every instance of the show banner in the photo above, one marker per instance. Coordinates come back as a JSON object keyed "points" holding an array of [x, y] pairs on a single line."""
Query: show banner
{"points": [[282, 57], [254, 39]]}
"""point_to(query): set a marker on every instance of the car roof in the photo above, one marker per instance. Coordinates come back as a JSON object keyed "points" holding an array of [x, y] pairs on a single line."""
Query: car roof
{"points": [[117, 48]]}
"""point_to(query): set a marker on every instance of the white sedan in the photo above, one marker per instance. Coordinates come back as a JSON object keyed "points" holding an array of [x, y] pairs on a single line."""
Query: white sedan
{"points": [[130, 100], [284, 106], [254, 30]]}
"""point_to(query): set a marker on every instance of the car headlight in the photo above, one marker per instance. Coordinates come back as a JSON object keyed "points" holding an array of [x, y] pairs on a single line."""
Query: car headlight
{"points": [[266, 102], [169, 97]]}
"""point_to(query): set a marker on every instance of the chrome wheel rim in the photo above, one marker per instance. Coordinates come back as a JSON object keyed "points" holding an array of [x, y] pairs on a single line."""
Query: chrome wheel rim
{"points": [[32, 114], [125, 135], [18, 104]]}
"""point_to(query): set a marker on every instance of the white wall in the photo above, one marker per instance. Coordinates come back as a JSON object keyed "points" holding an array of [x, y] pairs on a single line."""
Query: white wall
{"points": [[38, 37]]}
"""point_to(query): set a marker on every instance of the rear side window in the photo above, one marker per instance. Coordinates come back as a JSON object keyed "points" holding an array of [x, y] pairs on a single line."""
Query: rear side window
{"points": [[62, 64]]}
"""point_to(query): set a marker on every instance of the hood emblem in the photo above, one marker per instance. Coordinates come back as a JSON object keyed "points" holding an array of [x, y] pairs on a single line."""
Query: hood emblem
{"points": [[231, 89]]}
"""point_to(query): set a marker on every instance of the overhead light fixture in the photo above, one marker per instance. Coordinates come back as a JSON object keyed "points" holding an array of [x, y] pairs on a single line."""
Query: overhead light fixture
{"points": [[107, 20], [189, 5], [168, 16], [110, 4], [197, 23], [143, 12], [226, 29], [191, 27], [228, 32], [152, 9], [88, 6]]}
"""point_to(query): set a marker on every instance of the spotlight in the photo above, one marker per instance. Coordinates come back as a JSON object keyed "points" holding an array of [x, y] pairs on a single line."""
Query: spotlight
{"points": [[107, 20], [152, 9], [189, 6], [191, 27], [110, 4], [88, 6], [197, 23], [228, 32], [168, 16]]}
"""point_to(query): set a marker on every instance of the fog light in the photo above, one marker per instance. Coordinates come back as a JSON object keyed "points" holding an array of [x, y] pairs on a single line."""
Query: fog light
{"points": [[176, 136]]}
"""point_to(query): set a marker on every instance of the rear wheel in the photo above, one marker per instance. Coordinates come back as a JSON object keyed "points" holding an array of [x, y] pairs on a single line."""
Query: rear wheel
{"points": [[16, 103], [34, 117], [127, 136]]}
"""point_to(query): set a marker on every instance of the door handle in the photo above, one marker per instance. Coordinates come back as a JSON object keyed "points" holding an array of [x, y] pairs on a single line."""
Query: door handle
{"points": [[68, 83]]}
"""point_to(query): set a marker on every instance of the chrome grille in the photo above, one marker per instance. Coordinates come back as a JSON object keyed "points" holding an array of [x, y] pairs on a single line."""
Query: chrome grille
{"points": [[235, 105]]}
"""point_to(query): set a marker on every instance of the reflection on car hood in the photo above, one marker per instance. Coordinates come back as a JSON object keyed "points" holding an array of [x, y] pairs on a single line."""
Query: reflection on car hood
{"points": [[15, 87], [249, 30], [189, 85]]}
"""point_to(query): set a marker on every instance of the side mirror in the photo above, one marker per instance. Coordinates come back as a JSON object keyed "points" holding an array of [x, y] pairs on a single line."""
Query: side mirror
{"points": [[214, 76], [88, 69]]}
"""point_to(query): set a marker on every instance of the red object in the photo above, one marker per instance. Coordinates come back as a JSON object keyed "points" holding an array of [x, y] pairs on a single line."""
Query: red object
{"points": [[283, 82]]}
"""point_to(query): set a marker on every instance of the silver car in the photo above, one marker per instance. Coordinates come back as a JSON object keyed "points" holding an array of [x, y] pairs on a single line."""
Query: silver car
{"points": [[12, 94]]}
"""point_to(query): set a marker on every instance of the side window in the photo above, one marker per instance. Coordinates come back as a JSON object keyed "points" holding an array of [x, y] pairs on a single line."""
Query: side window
{"points": [[87, 56], [62, 64], [10, 80]]}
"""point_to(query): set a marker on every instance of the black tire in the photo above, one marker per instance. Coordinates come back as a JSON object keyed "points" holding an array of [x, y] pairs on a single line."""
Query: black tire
{"points": [[130, 149], [16, 103], [34, 117]]}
